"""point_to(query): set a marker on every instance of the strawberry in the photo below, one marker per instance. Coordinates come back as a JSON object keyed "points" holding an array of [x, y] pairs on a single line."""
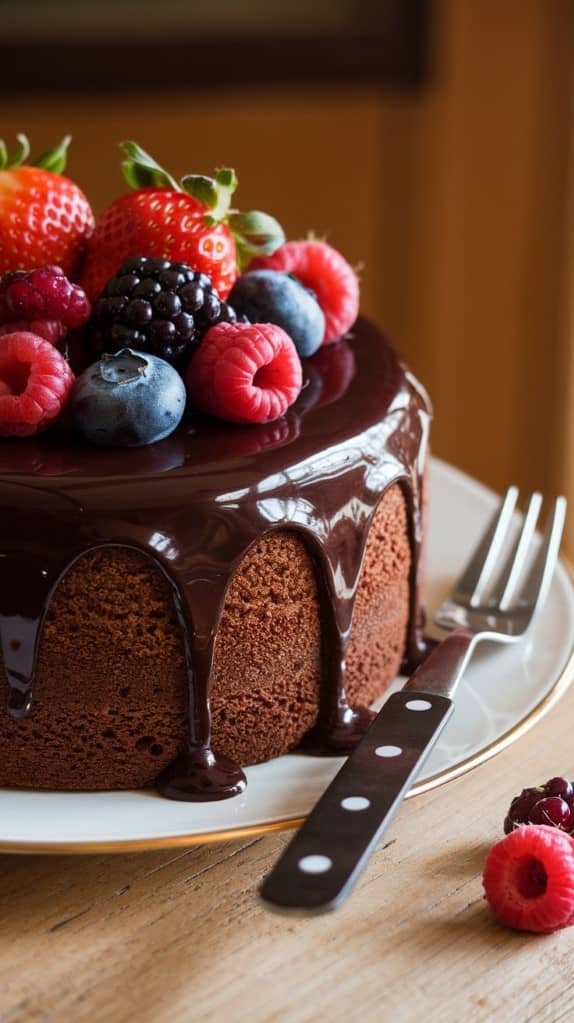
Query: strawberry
{"points": [[44, 217], [190, 223]]}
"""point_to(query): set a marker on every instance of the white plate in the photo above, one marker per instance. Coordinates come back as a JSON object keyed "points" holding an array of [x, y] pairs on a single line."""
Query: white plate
{"points": [[504, 692]]}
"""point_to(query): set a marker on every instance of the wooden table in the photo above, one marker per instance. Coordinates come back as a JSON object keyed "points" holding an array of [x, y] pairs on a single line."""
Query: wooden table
{"points": [[179, 936]]}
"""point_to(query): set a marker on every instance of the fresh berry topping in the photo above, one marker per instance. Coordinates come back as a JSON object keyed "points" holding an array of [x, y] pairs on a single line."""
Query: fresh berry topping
{"points": [[42, 301], [521, 806], [552, 804], [529, 879], [552, 810], [128, 400], [560, 787], [35, 381], [190, 222], [267, 296], [156, 306], [51, 330], [245, 373], [44, 217], [327, 274]]}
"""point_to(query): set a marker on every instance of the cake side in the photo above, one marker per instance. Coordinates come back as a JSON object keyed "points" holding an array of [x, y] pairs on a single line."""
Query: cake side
{"points": [[110, 706]]}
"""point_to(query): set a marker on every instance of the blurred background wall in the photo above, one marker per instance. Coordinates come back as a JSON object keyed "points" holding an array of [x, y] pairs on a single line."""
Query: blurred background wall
{"points": [[447, 177]]}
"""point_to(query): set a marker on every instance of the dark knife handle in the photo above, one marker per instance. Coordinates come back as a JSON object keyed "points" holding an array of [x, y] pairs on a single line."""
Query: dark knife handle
{"points": [[321, 864]]}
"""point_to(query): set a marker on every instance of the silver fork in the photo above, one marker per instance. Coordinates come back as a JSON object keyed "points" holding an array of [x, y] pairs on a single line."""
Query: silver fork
{"points": [[321, 864]]}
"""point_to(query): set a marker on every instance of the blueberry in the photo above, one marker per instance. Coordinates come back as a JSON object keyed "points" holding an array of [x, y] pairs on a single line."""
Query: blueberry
{"points": [[267, 296], [128, 400]]}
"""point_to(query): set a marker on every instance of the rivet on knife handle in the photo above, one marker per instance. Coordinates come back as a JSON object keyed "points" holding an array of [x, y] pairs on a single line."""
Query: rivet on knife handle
{"points": [[323, 861]]}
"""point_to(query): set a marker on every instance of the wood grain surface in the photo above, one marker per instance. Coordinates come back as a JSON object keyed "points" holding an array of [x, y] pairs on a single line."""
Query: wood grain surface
{"points": [[173, 937]]}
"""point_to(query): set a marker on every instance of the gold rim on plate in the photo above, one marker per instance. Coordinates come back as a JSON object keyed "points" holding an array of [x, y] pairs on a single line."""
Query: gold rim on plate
{"points": [[441, 778]]}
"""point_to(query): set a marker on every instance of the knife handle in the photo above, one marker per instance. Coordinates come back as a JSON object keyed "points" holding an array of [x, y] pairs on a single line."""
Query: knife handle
{"points": [[321, 864]]}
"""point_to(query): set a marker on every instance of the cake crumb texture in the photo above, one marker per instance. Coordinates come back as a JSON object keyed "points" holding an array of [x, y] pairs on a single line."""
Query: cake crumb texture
{"points": [[110, 697]]}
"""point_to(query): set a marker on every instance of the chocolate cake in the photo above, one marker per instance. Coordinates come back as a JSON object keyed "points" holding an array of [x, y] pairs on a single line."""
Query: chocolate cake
{"points": [[171, 613]]}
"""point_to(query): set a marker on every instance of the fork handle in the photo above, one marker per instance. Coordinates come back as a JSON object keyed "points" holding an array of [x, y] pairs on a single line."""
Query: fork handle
{"points": [[321, 864]]}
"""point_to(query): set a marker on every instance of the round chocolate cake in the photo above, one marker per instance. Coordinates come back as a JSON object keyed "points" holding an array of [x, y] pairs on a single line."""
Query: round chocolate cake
{"points": [[173, 612]]}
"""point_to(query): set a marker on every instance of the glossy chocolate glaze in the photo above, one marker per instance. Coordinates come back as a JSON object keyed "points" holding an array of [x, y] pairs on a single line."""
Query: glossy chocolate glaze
{"points": [[195, 502]]}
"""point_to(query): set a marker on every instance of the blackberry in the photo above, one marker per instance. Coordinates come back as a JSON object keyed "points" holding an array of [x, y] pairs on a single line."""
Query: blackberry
{"points": [[552, 804], [159, 307]]}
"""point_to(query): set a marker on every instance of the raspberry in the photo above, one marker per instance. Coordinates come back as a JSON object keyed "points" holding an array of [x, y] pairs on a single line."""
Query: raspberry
{"points": [[552, 803], [245, 373], [159, 307], [325, 272], [35, 381], [43, 301], [51, 330], [529, 879]]}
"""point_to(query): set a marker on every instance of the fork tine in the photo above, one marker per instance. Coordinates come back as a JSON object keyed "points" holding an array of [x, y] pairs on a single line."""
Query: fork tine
{"points": [[505, 586], [476, 574], [538, 580]]}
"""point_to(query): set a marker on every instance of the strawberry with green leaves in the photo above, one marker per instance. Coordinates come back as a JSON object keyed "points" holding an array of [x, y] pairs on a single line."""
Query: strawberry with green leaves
{"points": [[190, 222], [44, 217]]}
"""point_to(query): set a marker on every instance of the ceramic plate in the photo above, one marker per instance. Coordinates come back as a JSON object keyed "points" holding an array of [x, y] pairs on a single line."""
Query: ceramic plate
{"points": [[504, 692]]}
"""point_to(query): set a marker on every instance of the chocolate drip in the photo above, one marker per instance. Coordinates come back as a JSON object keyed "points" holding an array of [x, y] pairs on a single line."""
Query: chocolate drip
{"points": [[197, 501]]}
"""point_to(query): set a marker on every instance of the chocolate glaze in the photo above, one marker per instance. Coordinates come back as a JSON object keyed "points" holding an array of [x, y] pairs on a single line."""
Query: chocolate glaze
{"points": [[195, 502]]}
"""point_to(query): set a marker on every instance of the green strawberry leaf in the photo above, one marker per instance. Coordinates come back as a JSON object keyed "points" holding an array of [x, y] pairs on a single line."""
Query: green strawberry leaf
{"points": [[226, 178], [55, 159], [18, 157], [21, 154], [256, 234], [215, 193], [141, 170], [202, 188]]}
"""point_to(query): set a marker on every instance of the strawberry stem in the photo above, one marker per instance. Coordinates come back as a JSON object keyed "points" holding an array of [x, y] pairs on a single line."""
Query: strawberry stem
{"points": [[201, 188], [55, 159], [19, 156], [141, 170], [215, 193], [255, 233]]}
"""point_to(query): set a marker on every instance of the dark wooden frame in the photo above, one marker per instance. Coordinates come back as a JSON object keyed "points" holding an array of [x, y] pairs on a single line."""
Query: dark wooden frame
{"points": [[390, 50]]}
